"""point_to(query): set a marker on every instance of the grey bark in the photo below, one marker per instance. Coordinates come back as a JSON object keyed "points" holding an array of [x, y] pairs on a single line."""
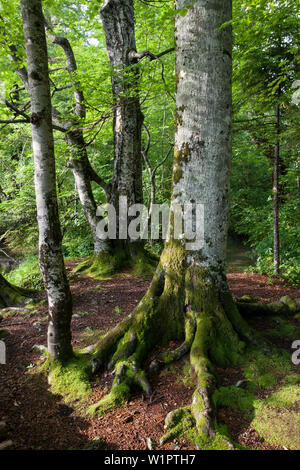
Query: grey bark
{"points": [[50, 249], [118, 22], [202, 161]]}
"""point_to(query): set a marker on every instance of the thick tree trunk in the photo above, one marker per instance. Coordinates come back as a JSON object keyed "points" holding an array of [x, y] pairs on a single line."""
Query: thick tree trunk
{"points": [[276, 253], [50, 250], [189, 297], [118, 22]]}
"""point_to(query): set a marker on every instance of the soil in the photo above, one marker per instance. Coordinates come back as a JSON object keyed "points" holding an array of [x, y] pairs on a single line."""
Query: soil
{"points": [[38, 419]]}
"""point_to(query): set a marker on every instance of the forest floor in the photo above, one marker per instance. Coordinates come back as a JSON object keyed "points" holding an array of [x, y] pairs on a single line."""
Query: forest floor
{"points": [[38, 418]]}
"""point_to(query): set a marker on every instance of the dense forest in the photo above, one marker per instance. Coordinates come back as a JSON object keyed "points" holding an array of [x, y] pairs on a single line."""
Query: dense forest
{"points": [[149, 225]]}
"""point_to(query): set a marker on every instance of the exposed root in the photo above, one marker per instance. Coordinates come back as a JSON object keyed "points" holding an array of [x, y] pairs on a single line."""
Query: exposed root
{"points": [[166, 358], [181, 302], [103, 350], [205, 381], [285, 306], [177, 423]]}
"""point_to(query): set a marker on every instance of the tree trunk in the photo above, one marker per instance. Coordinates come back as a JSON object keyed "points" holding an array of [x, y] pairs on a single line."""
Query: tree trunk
{"points": [[118, 22], [276, 253], [50, 250], [81, 168], [189, 298]]}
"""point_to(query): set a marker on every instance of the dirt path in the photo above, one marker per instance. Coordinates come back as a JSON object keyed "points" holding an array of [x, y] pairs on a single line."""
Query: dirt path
{"points": [[38, 419]]}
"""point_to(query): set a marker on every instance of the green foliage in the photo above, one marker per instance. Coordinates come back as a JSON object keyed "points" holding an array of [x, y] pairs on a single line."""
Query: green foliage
{"points": [[265, 60], [27, 274]]}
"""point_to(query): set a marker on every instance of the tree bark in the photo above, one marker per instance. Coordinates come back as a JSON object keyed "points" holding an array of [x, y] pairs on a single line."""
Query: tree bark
{"points": [[50, 249], [118, 22], [276, 252]]}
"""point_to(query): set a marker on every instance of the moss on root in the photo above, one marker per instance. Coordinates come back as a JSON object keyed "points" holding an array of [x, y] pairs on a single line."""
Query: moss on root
{"points": [[107, 264], [183, 303]]}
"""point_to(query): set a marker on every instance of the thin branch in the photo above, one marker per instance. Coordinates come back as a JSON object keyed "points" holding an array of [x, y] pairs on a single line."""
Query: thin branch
{"points": [[140, 55], [163, 160]]}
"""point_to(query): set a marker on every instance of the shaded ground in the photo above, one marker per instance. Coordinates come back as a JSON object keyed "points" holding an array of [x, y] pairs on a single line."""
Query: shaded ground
{"points": [[38, 419]]}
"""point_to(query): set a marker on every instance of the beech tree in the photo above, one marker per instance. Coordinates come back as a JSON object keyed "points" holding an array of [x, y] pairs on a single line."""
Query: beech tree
{"points": [[189, 298], [50, 250]]}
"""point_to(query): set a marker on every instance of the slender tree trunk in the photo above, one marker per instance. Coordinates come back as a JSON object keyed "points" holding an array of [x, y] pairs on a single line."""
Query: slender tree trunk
{"points": [[79, 163], [276, 252], [50, 249], [118, 22]]}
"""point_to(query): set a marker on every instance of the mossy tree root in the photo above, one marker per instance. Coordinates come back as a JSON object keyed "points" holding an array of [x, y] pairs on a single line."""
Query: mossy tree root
{"points": [[176, 306], [106, 264], [286, 306], [165, 358], [11, 295]]}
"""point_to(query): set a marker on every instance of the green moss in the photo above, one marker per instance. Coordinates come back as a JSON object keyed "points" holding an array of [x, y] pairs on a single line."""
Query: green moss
{"points": [[181, 424], [234, 398], [266, 370], [181, 156], [178, 422], [277, 418], [292, 379], [186, 376], [283, 328], [217, 442], [27, 274], [106, 264], [287, 396], [89, 337], [71, 380]]}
